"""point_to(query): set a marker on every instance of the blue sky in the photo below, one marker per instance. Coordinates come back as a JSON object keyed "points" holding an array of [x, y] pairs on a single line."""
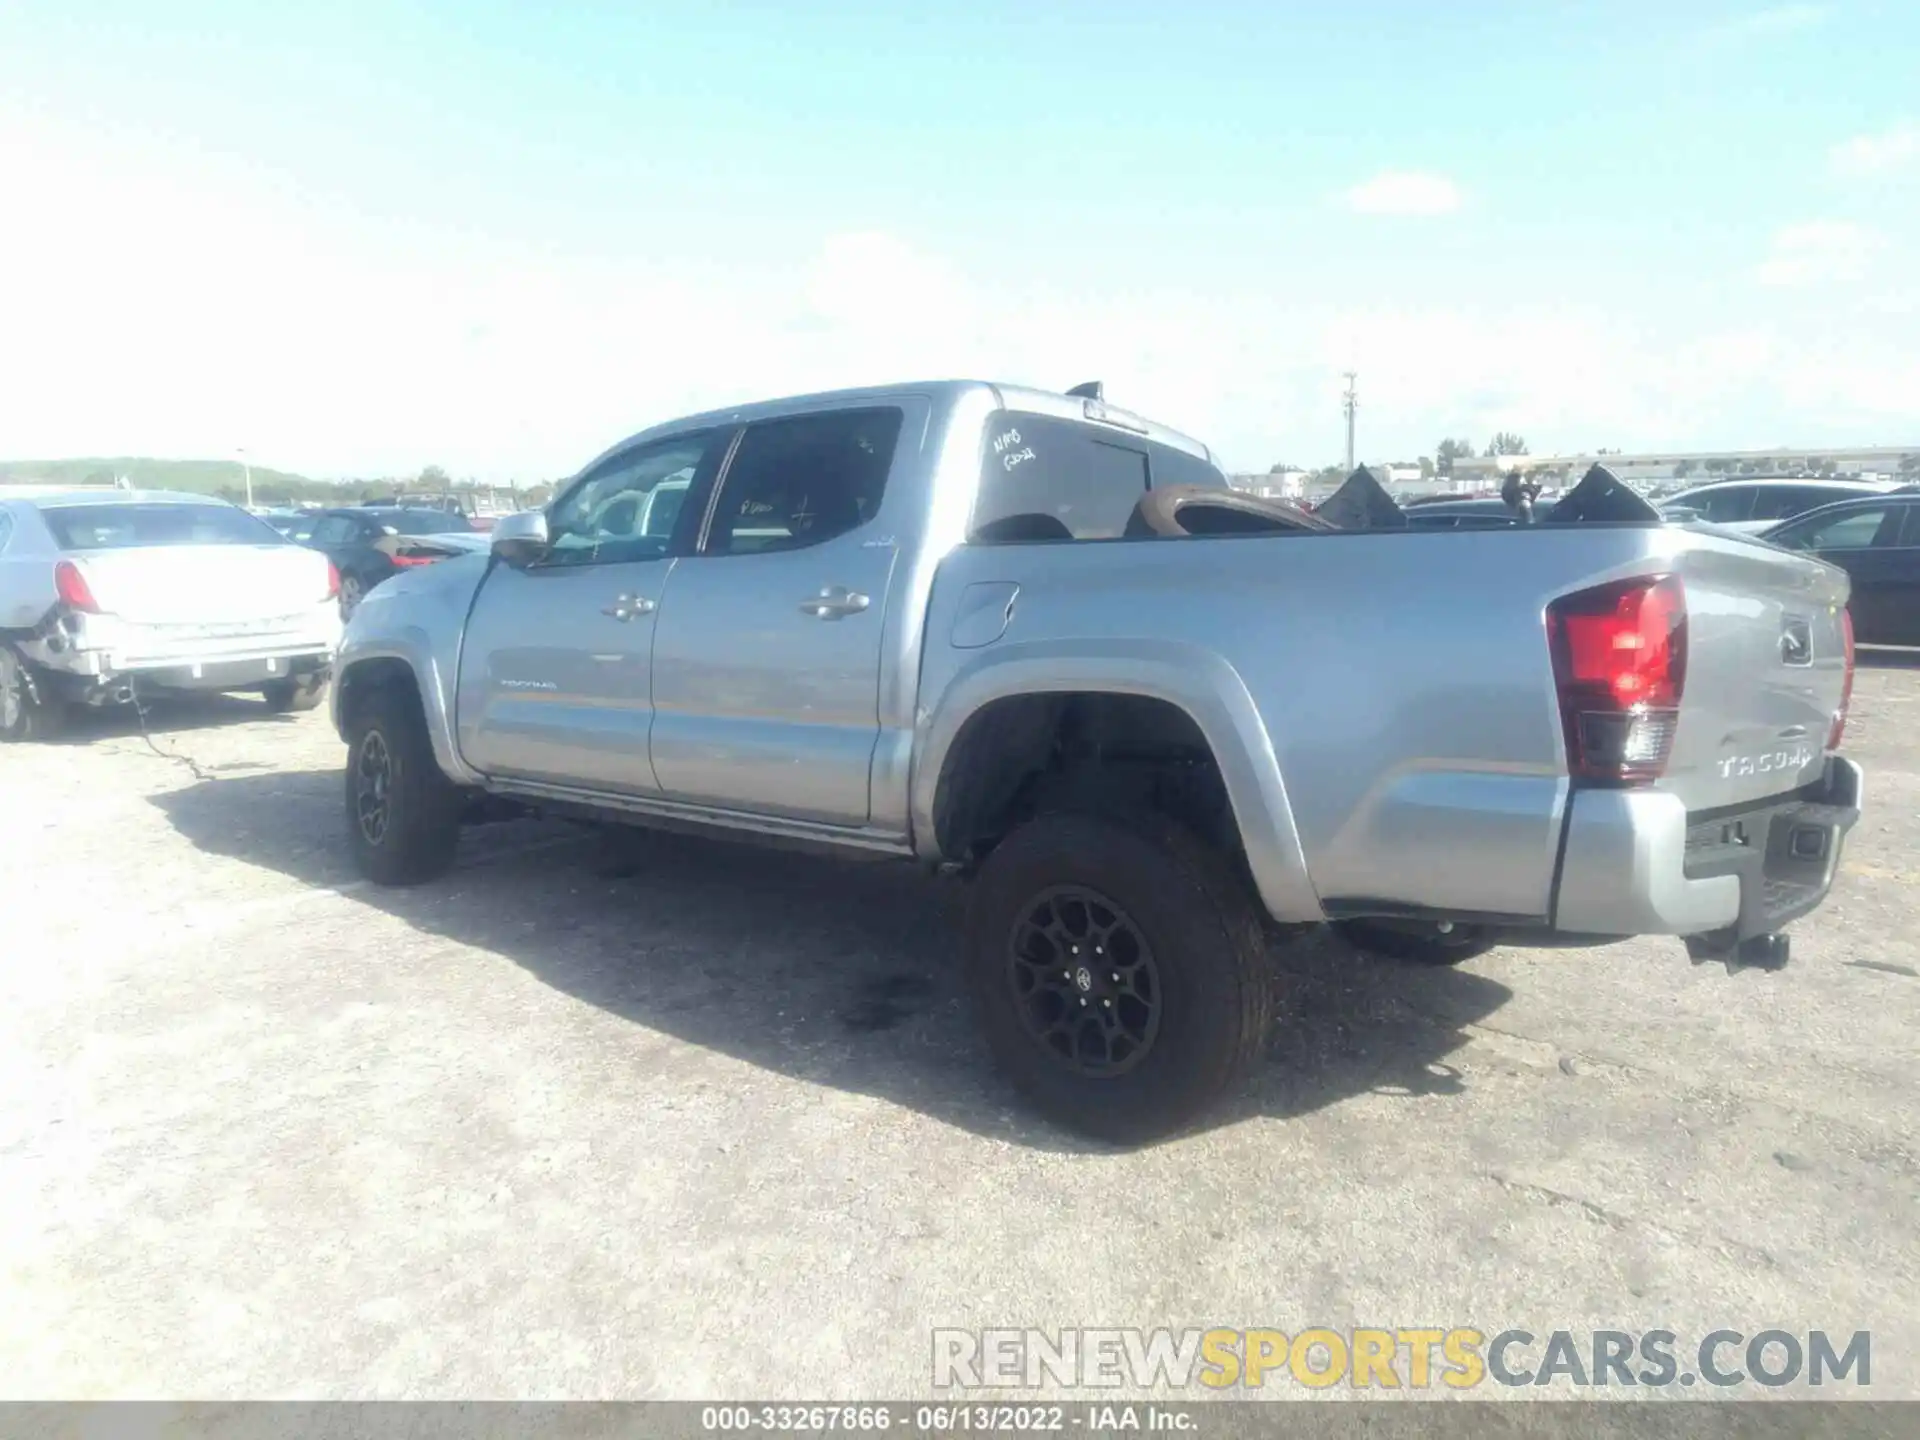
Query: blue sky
{"points": [[357, 239]]}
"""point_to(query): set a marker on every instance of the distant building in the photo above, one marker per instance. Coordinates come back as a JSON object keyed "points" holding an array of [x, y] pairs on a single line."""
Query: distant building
{"points": [[1275, 485], [1701, 466]]}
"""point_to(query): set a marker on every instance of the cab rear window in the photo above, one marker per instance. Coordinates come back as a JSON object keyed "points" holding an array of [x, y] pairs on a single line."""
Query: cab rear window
{"points": [[133, 526], [1044, 478]]}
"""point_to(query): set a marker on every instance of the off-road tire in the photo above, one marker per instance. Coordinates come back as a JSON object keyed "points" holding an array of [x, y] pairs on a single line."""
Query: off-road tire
{"points": [[1417, 944], [1218, 988], [36, 713], [423, 809], [295, 693]]}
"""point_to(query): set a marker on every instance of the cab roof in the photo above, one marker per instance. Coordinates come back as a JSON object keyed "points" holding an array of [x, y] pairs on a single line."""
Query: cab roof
{"points": [[1077, 406]]}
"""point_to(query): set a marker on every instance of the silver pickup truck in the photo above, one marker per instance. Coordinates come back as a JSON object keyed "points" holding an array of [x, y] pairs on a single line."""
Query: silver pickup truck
{"points": [[952, 622]]}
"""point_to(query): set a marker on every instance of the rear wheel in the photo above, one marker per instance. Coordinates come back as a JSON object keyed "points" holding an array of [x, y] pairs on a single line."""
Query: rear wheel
{"points": [[297, 692], [352, 591], [1418, 942], [403, 814], [1120, 971], [27, 711]]}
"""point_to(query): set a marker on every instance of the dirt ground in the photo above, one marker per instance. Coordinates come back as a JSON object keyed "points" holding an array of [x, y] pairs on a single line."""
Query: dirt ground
{"points": [[680, 1118]]}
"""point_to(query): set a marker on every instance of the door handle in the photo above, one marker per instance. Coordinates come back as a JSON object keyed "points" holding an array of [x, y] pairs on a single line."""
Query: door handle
{"points": [[834, 602], [625, 607]]}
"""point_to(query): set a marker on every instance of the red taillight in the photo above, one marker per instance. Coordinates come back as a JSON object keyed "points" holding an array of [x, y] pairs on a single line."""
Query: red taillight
{"points": [[407, 561], [1620, 665], [70, 583], [333, 581], [1839, 730]]}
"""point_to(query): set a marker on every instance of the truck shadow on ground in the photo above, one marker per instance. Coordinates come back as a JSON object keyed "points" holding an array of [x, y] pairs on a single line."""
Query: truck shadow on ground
{"points": [[842, 973]]}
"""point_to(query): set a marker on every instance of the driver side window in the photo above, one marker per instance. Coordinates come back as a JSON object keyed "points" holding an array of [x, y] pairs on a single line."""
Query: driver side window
{"points": [[627, 509]]}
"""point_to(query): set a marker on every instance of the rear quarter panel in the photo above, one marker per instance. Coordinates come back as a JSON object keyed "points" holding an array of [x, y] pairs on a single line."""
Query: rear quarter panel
{"points": [[1399, 696]]}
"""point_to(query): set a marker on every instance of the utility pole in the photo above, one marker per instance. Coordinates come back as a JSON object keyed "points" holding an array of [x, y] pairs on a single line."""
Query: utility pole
{"points": [[1352, 403], [246, 473]]}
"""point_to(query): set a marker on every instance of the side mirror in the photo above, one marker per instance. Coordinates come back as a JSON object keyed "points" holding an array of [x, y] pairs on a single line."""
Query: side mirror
{"points": [[520, 539]]}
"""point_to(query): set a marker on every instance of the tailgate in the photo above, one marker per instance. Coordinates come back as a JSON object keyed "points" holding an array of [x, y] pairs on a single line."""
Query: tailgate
{"points": [[205, 584], [1766, 672]]}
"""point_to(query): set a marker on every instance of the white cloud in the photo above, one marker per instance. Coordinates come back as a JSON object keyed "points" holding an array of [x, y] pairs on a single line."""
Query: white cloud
{"points": [[1819, 252], [1405, 192], [1881, 153], [231, 315]]}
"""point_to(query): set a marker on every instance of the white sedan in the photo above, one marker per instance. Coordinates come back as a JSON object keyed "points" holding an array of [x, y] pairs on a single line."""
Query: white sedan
{"points": [[108, 597]]}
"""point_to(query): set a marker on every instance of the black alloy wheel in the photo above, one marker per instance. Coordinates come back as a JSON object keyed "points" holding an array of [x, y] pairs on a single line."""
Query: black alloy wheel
{"points": [[1085, 981]]}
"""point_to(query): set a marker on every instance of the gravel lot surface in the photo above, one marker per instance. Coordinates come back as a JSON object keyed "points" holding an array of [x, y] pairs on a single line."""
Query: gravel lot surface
{"points": [[649, 1116]]}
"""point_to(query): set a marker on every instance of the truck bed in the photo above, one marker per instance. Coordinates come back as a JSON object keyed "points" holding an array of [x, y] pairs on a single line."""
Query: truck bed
{"points": [[1403, 684]]}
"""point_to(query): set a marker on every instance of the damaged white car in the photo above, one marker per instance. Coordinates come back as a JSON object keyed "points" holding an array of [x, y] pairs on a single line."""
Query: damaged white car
{"points": [[113, 597]]}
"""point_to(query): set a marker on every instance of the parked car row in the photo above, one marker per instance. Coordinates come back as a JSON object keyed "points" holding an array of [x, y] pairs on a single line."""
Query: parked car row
{"points": [[187, 559], [109, 597], [371, 543]]}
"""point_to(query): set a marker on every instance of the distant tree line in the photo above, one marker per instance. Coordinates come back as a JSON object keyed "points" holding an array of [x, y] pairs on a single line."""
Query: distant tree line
{"points": [[224, 478], [1506, 443]]}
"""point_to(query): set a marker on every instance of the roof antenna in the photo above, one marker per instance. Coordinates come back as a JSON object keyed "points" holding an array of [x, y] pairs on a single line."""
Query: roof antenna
{"points": [[1092, 390]]}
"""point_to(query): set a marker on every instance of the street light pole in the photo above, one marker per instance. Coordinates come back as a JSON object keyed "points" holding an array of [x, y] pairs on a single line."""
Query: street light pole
{"points": [[246, 472], [1352, 400]]}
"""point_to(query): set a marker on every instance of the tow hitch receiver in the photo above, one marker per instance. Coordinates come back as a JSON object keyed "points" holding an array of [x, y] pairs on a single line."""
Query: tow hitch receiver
{"points": [[1757, 952]]}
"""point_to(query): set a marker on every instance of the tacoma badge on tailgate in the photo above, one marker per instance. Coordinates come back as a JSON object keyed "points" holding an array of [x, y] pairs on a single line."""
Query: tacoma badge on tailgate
{"points": [[1794, 757]]}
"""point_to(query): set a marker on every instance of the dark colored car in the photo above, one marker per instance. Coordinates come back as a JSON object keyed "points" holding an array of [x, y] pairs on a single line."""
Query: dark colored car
{"points": [[1755, 505], [296, 525], [1877, 542], [369, 543]]}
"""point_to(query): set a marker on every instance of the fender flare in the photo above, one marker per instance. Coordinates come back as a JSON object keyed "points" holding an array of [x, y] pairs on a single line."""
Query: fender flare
{"points": [[412, 647], [1196, 681]]}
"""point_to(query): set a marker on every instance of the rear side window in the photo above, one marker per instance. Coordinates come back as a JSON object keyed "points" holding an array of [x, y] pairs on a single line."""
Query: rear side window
{"points": [[1856, 530], [1168, 466], [1777, 502], [132, 526], [334, 530], [1044, 478], [1048, 479], [1723, 507], [425, 522], [1910, 536]]}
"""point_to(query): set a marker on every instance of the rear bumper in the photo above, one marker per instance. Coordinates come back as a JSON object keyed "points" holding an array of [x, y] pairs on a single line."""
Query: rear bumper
{"points": [[107, 676], [1637, 863], [92, 651]]}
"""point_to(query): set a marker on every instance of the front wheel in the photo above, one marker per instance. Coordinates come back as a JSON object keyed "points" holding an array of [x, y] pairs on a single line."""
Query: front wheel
{"points": [[1120, 971], [403, 814]]}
